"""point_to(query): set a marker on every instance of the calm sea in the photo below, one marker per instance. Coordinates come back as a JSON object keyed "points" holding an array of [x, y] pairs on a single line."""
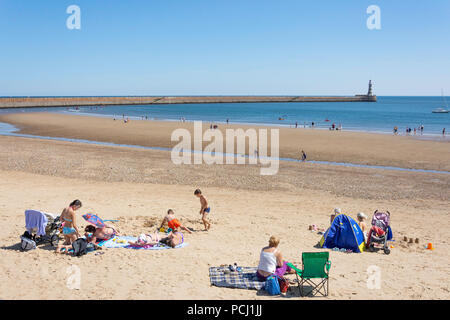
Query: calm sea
{"points": [[381, 116]]}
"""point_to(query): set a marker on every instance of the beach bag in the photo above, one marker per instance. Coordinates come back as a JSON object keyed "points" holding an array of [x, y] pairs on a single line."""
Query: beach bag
{"points": [[27, 243], [79, 247], [284, 284], [272, 286]]}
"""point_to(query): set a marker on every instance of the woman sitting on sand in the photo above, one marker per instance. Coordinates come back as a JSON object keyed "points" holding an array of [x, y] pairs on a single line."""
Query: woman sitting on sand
{"points": [[271, 261]]}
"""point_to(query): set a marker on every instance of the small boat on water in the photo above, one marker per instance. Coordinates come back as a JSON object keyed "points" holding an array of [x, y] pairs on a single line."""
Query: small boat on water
{"points": [[440, 110]]}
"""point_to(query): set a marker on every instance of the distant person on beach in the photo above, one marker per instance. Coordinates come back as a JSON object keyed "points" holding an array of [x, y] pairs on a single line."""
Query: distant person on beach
{"points": [[395, 130], [443, 132], [227, 121], [296, 125], [271, 261], [303, 156], [204, 209], [173, 222], [421, 129], [312, 124]]}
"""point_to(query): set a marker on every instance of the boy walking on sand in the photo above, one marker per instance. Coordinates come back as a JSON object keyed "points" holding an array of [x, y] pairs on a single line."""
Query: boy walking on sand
{"points": [[204, 209]]}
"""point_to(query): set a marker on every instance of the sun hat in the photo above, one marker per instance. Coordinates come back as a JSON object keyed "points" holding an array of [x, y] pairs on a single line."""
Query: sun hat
{"points": [[337, 210]]}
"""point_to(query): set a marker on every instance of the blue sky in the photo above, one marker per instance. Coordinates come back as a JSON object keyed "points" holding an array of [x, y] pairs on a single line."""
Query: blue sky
{"points": [[196, 47]]}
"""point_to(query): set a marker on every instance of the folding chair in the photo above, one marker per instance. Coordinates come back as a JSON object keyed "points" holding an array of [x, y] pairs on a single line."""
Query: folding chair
{"points": [[315, 265]]}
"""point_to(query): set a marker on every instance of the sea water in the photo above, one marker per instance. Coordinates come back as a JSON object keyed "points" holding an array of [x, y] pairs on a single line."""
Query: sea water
{"points": [[381, 116]]}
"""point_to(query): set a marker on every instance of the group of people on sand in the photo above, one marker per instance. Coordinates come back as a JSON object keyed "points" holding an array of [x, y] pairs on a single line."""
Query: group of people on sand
{"points": [[271, 259], [71, 232], [93, 234], [360, 217]]}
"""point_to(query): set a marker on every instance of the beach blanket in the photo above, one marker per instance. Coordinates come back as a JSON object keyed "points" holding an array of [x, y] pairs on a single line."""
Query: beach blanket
{"points": [[245, 279], [124, 242]]}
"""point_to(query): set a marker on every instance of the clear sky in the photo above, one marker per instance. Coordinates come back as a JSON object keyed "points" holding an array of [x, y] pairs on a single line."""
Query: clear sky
{"points": [[196, 47]]}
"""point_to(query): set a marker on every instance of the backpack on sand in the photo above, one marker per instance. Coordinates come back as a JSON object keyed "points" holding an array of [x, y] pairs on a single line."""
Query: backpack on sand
{"points": [[79, 247], [27, 243]]}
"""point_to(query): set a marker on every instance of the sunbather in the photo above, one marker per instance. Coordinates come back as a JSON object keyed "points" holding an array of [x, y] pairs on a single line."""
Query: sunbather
{"points": [[105, 233], [146, 240], [173, 239], [271, 261], [173, 222]]}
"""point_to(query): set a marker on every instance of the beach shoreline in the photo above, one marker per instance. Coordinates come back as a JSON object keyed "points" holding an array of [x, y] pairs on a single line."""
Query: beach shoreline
{"points": [[320, 145]]}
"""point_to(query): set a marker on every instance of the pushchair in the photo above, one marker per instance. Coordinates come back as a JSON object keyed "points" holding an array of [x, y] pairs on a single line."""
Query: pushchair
{"points": [[42, 228], [379, 232]]}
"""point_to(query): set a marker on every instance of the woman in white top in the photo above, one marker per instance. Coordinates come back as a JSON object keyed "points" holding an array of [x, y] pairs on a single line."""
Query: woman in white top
{"points": [[271, 261]]}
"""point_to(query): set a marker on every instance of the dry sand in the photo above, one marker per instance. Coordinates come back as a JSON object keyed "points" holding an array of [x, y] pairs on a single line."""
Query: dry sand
{"points": [[138, 186]]}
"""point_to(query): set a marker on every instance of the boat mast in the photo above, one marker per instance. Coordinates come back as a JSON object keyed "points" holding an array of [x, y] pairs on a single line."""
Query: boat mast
{"points": [[443, 97]]}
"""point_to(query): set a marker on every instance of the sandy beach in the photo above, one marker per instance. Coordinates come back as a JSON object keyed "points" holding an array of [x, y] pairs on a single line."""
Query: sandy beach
{"points": [[320, 145], [136, 187]]}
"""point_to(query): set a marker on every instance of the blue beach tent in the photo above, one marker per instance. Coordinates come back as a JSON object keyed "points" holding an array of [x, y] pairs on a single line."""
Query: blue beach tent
{"points": [[345, 233]]}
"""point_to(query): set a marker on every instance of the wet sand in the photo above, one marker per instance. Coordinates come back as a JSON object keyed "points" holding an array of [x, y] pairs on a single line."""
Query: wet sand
{"points": [[320, 145]]}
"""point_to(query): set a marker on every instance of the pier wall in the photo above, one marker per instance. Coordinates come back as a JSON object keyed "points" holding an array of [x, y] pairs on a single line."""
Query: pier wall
{"points": [[30, 102]]}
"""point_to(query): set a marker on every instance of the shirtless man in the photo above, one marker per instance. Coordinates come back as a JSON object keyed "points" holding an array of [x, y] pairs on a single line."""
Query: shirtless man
{"points": [[204, 209], [173, 222]]}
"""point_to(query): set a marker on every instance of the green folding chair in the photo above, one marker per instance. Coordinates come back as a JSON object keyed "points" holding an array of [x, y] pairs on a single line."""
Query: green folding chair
{"points": [[315, 265]]}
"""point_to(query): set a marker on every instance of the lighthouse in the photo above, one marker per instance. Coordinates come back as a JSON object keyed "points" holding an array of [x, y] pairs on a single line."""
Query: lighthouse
{"points": [[369, 93]]}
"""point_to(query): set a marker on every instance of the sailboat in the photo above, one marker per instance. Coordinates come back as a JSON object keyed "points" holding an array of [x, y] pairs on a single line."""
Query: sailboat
{"points": [[442, 110]]}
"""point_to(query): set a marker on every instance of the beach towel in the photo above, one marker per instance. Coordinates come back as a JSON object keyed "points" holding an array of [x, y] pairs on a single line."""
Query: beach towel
{"points": [[123, 242], [35, 220], [245, 279]]}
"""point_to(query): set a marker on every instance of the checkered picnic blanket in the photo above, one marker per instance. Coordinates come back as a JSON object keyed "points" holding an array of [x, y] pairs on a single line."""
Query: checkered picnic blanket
{"points": [[245, 279]]}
